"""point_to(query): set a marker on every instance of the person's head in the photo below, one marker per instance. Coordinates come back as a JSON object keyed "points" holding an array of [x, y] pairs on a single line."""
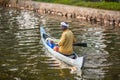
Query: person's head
{"points": [[64, 25], [52, 42]]}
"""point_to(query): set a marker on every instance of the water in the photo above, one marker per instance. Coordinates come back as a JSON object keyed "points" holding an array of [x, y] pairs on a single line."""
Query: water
{"points": [[22, 55]]}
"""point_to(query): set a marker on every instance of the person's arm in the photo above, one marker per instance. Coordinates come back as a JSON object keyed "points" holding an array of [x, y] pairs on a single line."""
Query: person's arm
{"points": [[74, 39], [62, 40], [56, 40]]}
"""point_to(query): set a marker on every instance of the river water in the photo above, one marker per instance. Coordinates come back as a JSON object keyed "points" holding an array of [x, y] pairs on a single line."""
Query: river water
{"points": [[22, 55]]}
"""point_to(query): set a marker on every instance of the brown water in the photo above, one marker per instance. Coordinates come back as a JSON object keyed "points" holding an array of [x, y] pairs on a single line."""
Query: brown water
{"points": [[22, 55]]}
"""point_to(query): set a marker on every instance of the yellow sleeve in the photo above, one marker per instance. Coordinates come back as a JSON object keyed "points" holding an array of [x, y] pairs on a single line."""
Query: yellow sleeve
{"points": [[62, 40], [74, 40]]}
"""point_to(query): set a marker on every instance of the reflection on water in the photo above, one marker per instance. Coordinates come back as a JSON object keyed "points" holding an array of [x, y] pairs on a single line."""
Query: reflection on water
{"points": [[22, 56]]}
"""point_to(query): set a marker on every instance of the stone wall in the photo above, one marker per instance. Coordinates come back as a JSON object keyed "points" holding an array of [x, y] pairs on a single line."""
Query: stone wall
{"points": [[4, 2], [89, 14]]}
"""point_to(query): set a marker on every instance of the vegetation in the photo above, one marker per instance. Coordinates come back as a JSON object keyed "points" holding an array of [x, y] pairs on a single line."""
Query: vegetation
{"points": [[106, 4]]}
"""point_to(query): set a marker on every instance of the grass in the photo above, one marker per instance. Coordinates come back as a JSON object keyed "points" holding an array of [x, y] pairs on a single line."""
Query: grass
{"points": [[99, 5]]}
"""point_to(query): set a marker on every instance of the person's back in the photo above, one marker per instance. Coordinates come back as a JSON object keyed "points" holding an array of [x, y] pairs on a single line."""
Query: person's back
{"points": [[66, 42]]}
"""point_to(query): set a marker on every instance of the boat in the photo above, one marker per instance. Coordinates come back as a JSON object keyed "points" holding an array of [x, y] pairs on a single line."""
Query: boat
{"points": [[77, 62]]}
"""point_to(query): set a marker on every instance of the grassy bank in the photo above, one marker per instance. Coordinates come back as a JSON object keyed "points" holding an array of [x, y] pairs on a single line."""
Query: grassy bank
{"points": [[99, 5]]}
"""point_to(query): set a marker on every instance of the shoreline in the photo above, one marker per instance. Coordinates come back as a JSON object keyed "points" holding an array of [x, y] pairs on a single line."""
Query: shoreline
{"points": [[106, 17]]}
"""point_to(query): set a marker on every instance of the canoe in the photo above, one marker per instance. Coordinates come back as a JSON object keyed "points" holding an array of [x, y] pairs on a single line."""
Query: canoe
{"points": [[77, 62]]}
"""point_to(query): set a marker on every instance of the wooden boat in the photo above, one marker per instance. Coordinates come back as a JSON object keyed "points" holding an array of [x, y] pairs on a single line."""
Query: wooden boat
{"points": [[77, 62]]}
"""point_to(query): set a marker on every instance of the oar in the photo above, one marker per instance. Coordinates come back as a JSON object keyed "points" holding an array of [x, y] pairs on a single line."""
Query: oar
{"points": [[80, 44]]}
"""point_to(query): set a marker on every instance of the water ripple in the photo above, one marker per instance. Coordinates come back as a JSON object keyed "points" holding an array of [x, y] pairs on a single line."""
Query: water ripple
{"points": [[22, 55]]}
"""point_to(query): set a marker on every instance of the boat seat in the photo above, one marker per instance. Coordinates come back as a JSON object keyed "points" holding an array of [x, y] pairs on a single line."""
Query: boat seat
{"points": [[73, 56]]}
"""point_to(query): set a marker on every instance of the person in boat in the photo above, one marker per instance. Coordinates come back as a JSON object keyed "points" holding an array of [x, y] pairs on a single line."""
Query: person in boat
{"points": [[66, 41], [50, 43]]}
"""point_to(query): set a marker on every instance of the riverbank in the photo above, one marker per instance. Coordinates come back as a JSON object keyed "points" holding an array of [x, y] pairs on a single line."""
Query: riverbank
{"points": [[106, 17], [96, 4]]}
